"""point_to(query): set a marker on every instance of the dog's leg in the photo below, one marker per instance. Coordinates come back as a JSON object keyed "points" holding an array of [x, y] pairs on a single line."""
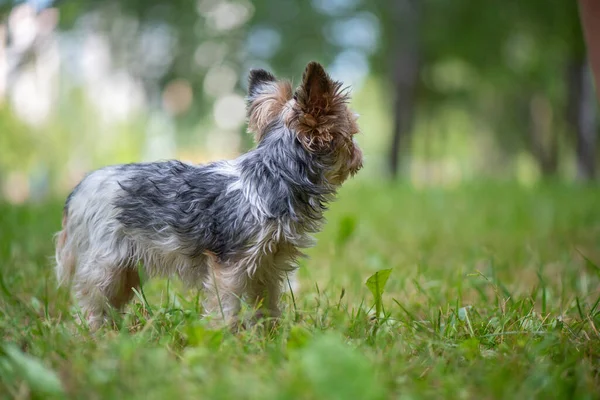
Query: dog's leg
{"points": [[98, 285], [224, 289], [267, 283], [121, 291], [264, 292]]}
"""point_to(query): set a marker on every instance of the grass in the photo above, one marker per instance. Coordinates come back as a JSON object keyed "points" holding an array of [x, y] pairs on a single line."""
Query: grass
{"points": [[493, 293]]}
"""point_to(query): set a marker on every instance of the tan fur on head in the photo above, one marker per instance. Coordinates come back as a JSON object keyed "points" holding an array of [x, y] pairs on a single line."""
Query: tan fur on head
{"points": [[317, 112], [320, 111], [323, 122], [267, 106]]}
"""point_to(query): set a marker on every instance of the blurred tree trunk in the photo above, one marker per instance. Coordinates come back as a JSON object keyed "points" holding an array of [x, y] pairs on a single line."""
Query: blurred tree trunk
{"points": [[581, 110], [405, 75], [583, 106], [544, 141], [589, 11], [3, 63]]}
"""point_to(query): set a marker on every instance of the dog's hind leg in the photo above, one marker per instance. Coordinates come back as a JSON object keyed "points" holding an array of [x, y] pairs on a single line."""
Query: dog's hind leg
{"points": [[97, 286], [65, 255]]}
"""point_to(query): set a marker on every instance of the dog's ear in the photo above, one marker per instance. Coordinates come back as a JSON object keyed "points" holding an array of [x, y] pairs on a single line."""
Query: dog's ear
{"points": [[258, 80], [315, 88], [266, 99], [320, 104]]}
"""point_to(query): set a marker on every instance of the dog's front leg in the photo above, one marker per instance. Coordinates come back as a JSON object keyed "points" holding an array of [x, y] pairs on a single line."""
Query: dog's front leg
{"points": [[264, 293], [224, 291]]}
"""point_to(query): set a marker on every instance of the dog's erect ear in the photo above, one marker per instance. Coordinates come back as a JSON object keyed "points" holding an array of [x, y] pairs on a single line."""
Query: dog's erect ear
{"points": [[320, 107], [315, 88], [257, 79], [266, 99]]}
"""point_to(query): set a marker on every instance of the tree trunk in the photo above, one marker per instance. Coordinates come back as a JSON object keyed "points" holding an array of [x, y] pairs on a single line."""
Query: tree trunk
{"points": [[586, 126], [589, 11], [582, 117], [3, 63], [405, 75], [587, 129], [544, 141]]}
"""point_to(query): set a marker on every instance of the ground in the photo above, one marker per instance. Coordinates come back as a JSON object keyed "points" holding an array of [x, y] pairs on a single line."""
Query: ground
{"points": [[493, 293]]}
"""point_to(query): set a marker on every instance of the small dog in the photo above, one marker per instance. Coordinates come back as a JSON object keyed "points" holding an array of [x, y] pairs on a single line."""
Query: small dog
{"points": [[235, 227]]}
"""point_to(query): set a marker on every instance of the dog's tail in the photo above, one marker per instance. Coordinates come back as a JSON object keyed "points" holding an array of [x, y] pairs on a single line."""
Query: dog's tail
{"points": [[65, 260]]}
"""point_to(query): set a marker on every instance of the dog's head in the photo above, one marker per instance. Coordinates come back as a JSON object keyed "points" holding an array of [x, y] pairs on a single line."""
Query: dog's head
{"points": [[316, 112]]}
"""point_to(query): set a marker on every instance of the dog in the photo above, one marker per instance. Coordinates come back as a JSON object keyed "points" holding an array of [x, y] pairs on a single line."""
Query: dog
{"points": [[235, 227]]}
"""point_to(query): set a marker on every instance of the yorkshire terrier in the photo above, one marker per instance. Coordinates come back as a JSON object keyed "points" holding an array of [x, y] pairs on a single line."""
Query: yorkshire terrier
{"points": [[236, 227]]}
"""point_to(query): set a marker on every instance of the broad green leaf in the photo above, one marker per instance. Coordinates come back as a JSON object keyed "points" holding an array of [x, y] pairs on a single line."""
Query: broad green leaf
{"points": [[298, 337], [470, 348], [346, 229], [376, 284], [333, 370], [200, 335], [39, 378]]}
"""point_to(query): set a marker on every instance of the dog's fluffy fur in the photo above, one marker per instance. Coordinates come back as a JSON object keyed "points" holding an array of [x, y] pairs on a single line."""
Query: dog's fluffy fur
{"points": [[235, 227]]}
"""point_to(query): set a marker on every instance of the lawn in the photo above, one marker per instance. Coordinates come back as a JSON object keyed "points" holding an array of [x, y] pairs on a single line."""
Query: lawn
{"points": [[493, 293]]}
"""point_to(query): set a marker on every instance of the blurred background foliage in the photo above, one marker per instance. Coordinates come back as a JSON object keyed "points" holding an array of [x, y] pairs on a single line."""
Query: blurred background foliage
{"points": [[448, 91]]}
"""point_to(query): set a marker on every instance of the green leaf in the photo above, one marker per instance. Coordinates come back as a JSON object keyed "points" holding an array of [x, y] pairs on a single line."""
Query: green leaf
{"points": [[298, 337], [40, 379], [376, 284], [200, 335], [331, 369], [470, 348], [346, 229]]}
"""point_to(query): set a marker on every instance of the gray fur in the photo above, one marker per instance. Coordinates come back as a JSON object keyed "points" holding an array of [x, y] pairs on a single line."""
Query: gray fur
{"points": [[193, 202]]}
